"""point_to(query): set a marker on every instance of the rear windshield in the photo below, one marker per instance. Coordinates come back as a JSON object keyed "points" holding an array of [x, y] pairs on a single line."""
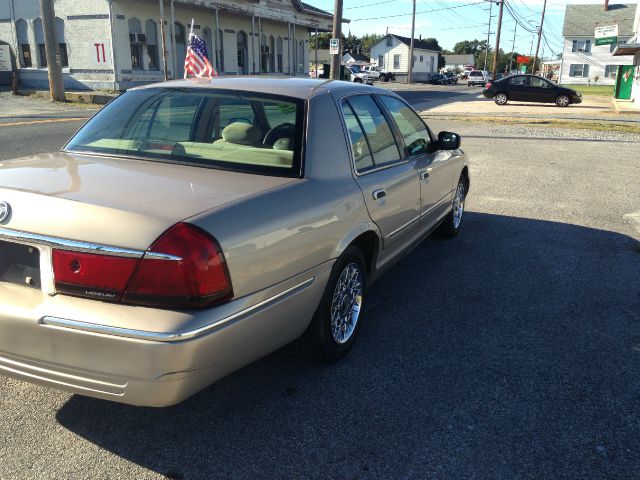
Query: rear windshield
{"points": [[475, 74], [230, 130]]}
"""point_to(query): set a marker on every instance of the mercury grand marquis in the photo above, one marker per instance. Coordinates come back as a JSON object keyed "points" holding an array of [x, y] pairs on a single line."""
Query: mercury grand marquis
{"points": [[192, 227]]}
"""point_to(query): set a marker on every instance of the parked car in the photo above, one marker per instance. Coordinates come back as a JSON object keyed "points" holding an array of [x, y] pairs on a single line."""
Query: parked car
{"points": [[359, 76], [477, 77], [438, 79], [377, 73], [453, 78], [192, 227], [530, 88], [348, 74], [372, 71]]}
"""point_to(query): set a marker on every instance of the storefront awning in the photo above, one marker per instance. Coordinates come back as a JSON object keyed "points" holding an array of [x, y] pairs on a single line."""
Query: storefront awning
{"points": [[626, 49]]}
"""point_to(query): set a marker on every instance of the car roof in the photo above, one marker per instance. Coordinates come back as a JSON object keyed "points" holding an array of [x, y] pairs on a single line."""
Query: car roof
{"points": [[295, 87]]}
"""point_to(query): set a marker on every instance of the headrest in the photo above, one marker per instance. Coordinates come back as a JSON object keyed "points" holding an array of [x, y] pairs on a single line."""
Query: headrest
{"points": [[241, 133], [283, 144]]}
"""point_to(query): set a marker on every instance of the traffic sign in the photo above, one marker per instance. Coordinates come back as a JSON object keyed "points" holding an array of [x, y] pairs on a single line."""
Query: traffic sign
{"points": [[334, 46]]}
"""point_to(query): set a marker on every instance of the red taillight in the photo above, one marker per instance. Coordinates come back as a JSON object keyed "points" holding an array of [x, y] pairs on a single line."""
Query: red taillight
{"points": [[194, 273], [184, 268], [488, 85], [90, 275]]}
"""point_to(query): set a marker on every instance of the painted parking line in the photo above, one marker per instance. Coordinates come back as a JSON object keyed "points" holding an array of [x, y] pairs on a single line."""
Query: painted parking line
{"points": [[51, 120]]}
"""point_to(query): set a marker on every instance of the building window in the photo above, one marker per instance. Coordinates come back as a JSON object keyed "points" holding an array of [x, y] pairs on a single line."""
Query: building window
{"points": [[136, 40], [579, 70], [279, 55], [63, 58], [396, 61], [413, 61], [152, 45], [389, 42], [264, 54], [611, 71], [581, 46], [24, 48], [221, 51], [272, 54], [242, 53], [39, 34], [380, 61], [421, 59]]}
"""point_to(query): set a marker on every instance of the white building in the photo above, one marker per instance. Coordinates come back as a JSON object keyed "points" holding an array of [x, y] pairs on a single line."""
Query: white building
{"points": [[631, 50], [391, 54], [115, 44], [582, 60]]}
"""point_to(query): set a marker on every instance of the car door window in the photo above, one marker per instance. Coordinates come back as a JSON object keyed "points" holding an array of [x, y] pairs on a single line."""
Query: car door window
{"points": [[380, 139], [540, 83], [359, 146], [518, 81], [412, 128]]}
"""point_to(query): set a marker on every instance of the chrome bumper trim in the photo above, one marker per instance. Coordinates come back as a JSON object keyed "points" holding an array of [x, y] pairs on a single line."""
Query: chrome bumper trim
{"points": [[56, 322], [75, 245]]}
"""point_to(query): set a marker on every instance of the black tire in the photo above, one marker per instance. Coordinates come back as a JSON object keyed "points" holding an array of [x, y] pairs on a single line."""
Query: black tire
{"points": [[451, 225], [383, 78], [357, 80], [318, 342], [563, 101]]}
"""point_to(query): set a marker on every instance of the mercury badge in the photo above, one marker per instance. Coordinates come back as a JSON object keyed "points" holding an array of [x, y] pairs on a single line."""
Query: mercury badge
{"points": [[5, 212]]}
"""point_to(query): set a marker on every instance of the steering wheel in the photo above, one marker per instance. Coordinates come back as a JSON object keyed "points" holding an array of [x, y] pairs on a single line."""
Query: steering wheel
{"points": [[284, 130]]}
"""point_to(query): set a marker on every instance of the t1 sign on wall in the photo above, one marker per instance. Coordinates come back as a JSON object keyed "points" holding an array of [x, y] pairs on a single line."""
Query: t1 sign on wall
{"points": [[100, 54]]}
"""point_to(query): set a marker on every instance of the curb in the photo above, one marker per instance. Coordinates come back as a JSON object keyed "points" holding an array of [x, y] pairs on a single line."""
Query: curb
{"points": [[73, 97]]}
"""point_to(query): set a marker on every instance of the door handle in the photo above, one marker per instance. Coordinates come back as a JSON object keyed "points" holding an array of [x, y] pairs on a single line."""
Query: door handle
{"points": [[424, 175], [378, 194]]}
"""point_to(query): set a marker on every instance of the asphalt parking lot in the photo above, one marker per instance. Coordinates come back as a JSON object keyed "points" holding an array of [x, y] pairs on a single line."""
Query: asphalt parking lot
{"points": [[512, 351]]}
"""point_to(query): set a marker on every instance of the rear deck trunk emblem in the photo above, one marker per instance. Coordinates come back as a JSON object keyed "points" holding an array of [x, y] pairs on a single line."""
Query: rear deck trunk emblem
{"points": [[5, 212]]}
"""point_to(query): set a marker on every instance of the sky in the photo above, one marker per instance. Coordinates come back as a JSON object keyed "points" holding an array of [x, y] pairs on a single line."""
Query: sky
{"points": [[451, 21]]}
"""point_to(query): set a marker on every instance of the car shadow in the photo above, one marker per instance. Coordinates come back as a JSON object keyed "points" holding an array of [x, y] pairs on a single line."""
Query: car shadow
{"points": [[510, 351], [573, 106]]}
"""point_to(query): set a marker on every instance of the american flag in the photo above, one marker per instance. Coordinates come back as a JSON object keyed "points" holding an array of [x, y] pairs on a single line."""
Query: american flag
{"points": [[197, 62]]}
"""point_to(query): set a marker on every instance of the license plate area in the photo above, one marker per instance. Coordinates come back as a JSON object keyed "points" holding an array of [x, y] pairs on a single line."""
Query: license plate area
{"points": [[20, 264]]}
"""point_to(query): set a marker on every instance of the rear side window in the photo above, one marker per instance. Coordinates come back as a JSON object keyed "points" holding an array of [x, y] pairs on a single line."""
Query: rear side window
{"points": [[518, 81], [231, 130], [375, 129]]}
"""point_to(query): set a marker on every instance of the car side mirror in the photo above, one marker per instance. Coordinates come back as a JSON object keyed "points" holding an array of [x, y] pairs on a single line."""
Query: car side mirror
{"points": [[448, 141]]}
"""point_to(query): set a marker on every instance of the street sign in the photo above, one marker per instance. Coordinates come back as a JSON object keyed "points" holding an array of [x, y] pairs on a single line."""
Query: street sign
{"points": [[523, 69], [606, 35], [5, 58], [334, 46], [522, 59]]}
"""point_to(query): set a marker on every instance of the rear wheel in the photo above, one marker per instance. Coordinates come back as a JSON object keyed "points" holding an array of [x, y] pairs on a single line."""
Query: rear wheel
{"points": [[336, 323], [563, 101], [383, 78], [450, 227], [500, 98], [357, 80]]}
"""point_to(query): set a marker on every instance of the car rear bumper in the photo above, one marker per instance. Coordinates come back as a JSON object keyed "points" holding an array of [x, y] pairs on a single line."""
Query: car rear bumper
{"points": [[90, 356]]}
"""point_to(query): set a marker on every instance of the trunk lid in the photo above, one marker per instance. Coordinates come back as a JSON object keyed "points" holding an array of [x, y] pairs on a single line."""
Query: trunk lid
{"points": [[113, 201]]}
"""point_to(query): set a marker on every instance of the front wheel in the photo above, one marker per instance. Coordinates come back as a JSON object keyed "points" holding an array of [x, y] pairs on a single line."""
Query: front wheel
{"points": [[383, 78], [336, 323], [563, 101], [358, 80], [450, 227], [500, 98]]}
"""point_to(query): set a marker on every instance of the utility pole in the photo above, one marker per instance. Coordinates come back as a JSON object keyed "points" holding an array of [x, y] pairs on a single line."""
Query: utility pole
{"points": [[163, 36], [544, 7], [413, 31], [56, 84], [495, 52], [486, 50], [336, 60], [513, 46]]}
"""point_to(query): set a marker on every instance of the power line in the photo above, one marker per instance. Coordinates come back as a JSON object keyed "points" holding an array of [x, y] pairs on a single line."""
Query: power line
{"points": [[417, 13]]}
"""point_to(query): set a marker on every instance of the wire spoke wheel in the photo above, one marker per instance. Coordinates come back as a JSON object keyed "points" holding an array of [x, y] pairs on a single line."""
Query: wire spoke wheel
{"points": [[346, 303], [458, 205]]}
